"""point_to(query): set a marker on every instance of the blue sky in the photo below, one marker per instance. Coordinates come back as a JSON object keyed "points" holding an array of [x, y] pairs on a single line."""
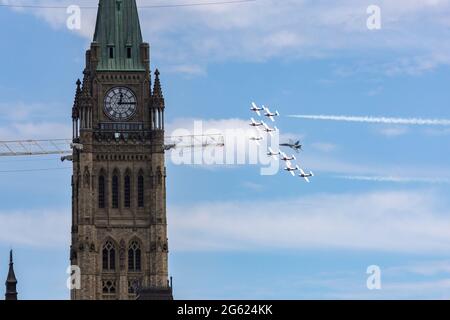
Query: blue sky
{"points": [[232, 232]]}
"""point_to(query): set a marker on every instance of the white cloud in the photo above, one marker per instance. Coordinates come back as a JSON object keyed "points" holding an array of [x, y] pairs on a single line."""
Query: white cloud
{"points": [[41, 228], [238, 148], [386, 221], [17, 112], [35, 131], [236, 133], [396, 179], [393, 131], [375, 91], [347, 289], [407, 222], [21, 111], [21, 121], [324, 146], [220, 125], [268, 29], [424, 268], [253, 187], [189, 70], [433, 289], [437, 132], [319, 158]]}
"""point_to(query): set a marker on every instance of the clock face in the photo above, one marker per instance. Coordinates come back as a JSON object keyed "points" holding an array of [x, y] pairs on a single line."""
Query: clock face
{"points": [[120, 104]]}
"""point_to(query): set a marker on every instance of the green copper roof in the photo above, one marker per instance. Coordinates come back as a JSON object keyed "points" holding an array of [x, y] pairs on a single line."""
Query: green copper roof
{"points": [[118, 29]]}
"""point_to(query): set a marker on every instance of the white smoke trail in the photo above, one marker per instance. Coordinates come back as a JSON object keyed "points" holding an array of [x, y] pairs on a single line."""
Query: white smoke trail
{"points": [[385, 120], [396, 179]]}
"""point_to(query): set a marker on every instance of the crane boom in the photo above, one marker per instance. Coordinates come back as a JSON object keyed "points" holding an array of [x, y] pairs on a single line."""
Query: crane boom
{"points": [[35, 147], [64, 146]]}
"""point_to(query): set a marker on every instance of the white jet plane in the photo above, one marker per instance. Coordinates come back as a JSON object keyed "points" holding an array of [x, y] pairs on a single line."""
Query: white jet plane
{"points": [[256, 109], [256, 139], [305, 176], [272, 153], [255, 124], [271, 115], [289, 168], [268, 129], [284, 157]]}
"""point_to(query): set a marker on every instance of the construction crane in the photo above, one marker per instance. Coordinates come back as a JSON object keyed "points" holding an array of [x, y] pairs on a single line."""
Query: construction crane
{"points": [[64, 147], [35, 147]]}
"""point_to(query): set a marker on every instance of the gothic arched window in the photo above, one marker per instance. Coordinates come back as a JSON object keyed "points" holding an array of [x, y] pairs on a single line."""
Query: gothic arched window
{"points": [[133, 284], [109, 256], [115, 191], [134, 257], [127, 191], [101, 191], [109, 286], [141, 190]]}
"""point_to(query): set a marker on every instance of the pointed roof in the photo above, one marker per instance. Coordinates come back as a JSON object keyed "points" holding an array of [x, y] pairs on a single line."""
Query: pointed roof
{"points": [[11, 281], [11, 276], [118, 28], [75, 113], [157, 97], [157, 90]]}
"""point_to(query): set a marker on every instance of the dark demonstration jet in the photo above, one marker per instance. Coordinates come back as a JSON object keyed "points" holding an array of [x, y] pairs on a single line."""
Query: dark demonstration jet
{"points": [[293, 145]]}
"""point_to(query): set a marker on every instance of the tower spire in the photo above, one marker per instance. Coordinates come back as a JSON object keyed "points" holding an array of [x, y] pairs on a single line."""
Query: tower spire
{"points": [[157, 90], [75, 110], [11, 281], [158, 104], [118, 35]]}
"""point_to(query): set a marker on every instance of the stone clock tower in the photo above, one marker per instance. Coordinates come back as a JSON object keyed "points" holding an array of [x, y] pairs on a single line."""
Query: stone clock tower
{"points": [[119, 224]]}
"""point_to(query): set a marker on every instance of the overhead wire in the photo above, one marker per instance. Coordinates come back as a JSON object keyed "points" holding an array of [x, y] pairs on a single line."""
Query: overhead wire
{"points": [[154, 6], [33, 170]]}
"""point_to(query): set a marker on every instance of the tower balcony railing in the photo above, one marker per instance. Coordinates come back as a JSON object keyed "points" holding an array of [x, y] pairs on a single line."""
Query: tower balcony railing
{"points": [[121, 126]]}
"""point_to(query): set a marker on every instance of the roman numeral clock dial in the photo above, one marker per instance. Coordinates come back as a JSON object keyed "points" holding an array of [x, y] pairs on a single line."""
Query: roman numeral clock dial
{"points": [[120, 104]]}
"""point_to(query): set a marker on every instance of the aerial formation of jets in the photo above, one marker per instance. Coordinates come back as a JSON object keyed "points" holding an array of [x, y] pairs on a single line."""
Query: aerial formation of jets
{"points": [[294, 145]]}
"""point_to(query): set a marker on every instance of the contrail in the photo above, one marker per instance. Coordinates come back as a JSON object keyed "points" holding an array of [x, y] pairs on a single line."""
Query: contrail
{"points": [[385, 120], [396, 179]]}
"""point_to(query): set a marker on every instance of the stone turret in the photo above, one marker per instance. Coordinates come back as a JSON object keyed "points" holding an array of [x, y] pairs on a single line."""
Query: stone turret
{"points": [[11, 281]]}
